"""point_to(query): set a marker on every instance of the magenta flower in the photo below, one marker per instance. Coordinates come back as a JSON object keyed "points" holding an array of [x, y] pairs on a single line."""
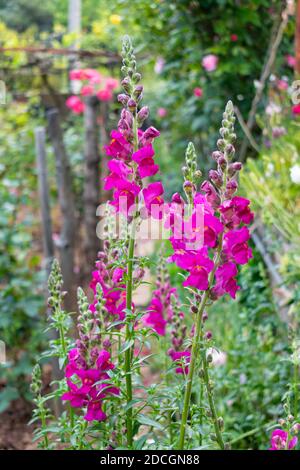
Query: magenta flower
{"points": [[144, 158], [119, 171], [154, 317], [95, 412], [76, 399], [212, 229], [210, 62], [103, 361], [119, 147], [235, 245], [279, 440], [153, 199], [225, 281], [182, 358], [147, 137], [199, 267], [125, 196], [236, 210]]}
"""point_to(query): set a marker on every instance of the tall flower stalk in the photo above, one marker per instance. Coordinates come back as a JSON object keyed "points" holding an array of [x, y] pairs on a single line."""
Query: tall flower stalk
{"points": [[132, 152], [212, 266]]}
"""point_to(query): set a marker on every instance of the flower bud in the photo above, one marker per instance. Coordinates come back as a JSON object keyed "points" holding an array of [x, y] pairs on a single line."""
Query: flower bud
{"points": [[231, 188], [221, 423], [143, 114], [208, 335], [137, 93], [230, 150], [215, 177], [126, 84], [136, 77], [222, 162], [194, 309], [221, 144], [188, 187], [131, 104], [216, 155], [204, 317], [122, 98], [209, 358], [177, 198]]}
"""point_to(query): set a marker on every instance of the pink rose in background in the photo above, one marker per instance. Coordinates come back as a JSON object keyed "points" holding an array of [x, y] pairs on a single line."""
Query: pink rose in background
{"points": [[87, 90], [198, 92], [290, 60], [104, 95], [162, 112], [296, 109], [234, 37], [282, 84], [210, 62], [75, 104]]}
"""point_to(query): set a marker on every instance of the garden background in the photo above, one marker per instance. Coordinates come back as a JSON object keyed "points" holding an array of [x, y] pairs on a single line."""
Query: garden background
{"points": [[195, 56]]}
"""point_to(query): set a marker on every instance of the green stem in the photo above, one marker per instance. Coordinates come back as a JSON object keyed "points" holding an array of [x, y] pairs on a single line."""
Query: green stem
{"points": [[195, 348], [128, 337], [296, 391], [211, 400], [128, 332], [189, 382]]}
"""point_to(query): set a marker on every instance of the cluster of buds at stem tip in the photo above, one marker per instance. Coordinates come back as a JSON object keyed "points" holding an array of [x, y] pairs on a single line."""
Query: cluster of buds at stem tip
{"points": [[191, 173], [55, 283], [223, 178], [88, 324], [36, 380], [133, 91], [179, 328]]}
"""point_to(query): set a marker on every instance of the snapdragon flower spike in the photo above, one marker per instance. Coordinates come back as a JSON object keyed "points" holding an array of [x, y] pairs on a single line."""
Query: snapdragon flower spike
{"points": [[222, 227], [133, 146]]}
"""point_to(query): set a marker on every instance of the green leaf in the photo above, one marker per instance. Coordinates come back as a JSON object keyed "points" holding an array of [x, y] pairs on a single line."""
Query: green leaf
{"points": [[143, 419]]}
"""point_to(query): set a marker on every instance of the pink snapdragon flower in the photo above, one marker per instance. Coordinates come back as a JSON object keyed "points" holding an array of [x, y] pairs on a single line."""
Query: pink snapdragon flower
{"points": [[154, 317], [198, 265], [235, 211], [125, 196], [182, 359], [279, 440], [144, 158], [119, 172], [236, 247], [210, 62], [119, 147], [225, 282], [153, 199]]}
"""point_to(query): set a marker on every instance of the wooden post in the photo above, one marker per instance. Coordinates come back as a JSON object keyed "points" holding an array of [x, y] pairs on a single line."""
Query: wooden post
{"points": [[297, 40], [47, 234], [66, 243], [91, 195]]}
